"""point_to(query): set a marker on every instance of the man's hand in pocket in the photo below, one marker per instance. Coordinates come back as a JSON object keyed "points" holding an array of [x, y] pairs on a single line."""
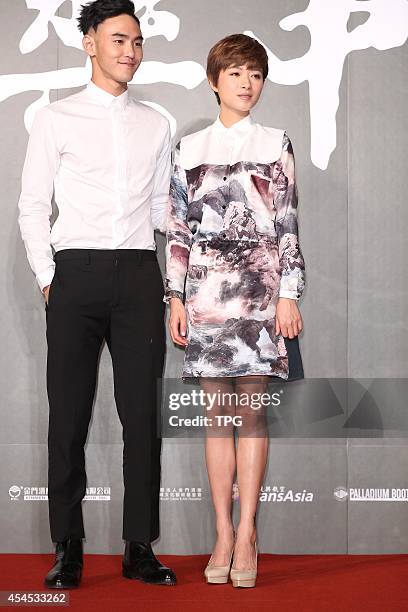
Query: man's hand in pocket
{"points": [[46, 291]]}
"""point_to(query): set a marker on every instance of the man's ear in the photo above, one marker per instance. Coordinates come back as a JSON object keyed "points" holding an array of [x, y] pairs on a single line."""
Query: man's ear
{"points": [[88, 43]]}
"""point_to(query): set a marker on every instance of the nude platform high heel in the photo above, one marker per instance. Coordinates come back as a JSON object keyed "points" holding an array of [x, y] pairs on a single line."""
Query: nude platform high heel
{"points": [[245, 578], [217, 574]]}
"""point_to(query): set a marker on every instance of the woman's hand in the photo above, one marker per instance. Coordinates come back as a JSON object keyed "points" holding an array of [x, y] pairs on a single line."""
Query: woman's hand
{"points": [[178, 322], [288, 319]]}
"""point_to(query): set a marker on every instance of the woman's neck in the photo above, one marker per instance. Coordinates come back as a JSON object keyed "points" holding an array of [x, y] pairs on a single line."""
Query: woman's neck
{"points": [[228, 116]]}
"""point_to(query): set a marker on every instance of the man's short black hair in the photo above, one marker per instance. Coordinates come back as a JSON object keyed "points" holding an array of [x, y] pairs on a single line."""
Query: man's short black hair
{"points": [[96, 12]]}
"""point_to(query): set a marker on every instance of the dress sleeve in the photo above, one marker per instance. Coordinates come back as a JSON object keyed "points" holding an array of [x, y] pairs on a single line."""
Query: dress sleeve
{"points": [[286, 200], [179, 236]]}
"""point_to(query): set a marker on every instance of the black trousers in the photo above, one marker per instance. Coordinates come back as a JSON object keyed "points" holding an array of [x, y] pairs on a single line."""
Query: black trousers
{"points": [[116, 296]]}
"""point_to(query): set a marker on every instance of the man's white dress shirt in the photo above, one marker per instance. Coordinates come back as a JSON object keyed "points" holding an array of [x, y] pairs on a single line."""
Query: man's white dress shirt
{"points": [[107, 161]]}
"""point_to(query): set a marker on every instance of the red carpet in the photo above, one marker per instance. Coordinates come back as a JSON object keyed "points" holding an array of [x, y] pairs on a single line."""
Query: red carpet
{"points": [[285, 582]]}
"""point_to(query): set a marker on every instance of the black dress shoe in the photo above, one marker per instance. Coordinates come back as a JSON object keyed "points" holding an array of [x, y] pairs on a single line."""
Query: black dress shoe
{"points": [[67, 570], [139, 563]]}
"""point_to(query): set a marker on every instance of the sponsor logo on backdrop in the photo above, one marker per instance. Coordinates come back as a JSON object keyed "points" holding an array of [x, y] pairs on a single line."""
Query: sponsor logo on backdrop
{"points": [[278, 493], [340, 493], [25, 493], [180, 493], [98, 494], [15, 492], [371, 494]]}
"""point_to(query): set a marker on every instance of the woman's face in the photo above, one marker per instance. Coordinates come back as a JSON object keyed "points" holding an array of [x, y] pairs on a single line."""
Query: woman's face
{"points": [[239, 88]]}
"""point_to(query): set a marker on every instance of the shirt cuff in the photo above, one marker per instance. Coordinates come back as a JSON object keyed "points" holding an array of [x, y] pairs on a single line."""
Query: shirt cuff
{"points": [[45, 278], [160, 227], [292, 295]]}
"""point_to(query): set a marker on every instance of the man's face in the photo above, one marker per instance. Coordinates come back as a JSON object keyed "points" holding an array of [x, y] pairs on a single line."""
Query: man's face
{"points": [[115, 48]]}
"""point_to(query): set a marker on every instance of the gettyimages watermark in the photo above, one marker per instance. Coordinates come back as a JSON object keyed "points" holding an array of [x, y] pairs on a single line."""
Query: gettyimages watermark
{"points": [[211, 400], [221, 409], [305, 408]]}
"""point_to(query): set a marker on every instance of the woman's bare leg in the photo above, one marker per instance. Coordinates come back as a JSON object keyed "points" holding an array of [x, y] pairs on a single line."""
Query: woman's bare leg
{"points": [[252, 453], [221, 465]]}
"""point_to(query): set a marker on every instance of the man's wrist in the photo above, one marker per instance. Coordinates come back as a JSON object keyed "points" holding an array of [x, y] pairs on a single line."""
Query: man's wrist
{"points": [[45, 278]]}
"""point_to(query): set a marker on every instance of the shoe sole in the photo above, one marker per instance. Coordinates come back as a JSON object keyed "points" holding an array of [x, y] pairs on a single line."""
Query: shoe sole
{"points": [[130, 576], [217, 580], [61, 588], [243, 583]]}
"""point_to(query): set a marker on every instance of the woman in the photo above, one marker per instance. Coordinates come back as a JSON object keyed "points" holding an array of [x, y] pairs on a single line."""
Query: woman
{"points": [[232, 242]]}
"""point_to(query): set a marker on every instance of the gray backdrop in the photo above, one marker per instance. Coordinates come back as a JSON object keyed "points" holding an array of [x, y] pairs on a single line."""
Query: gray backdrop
{"points": [[353, 220]]}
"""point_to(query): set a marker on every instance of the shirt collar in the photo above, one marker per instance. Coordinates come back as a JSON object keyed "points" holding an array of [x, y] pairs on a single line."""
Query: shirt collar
{"points": [[239, 128], [105, 98]]}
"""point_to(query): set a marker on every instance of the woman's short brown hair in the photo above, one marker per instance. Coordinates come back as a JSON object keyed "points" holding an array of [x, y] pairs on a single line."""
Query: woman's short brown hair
{"points": [[236, 50]]}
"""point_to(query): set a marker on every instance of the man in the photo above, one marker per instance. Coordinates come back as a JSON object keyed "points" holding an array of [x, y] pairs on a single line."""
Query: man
{"points": [[107, 159]]}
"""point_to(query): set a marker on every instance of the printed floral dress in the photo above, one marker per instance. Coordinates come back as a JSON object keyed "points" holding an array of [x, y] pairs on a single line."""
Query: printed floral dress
{"points": [[232, 249]]}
